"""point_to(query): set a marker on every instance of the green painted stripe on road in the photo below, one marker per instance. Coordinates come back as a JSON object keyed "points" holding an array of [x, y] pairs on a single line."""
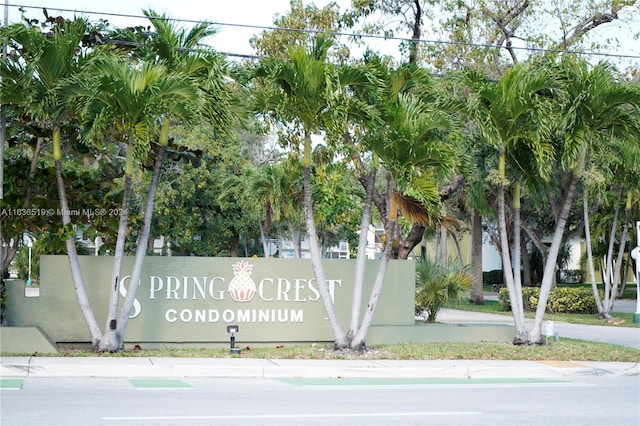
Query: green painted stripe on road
{"points": [[160, 384], [11, 384], [355, 381]]}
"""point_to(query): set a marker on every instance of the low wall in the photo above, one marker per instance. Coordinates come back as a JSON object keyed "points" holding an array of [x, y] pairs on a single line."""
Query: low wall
{"points": [[193, 299]]}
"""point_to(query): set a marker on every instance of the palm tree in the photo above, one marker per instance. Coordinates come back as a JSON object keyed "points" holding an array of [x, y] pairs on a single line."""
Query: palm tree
{"points": [[133, 104], [595, 109], [309, 93], [203, 92], [510, 122], [410, 144], [50, 62]]}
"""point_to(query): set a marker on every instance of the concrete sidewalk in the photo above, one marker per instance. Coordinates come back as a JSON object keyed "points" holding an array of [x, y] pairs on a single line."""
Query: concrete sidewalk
{"points": [[40, 367]]}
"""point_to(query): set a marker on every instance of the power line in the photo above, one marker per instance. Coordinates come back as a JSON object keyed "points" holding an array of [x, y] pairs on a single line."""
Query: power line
{"points": [[338, 34]]}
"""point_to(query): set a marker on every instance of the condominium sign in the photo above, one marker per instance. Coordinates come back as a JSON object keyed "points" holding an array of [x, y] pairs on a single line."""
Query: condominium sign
{"points": [[193, 299], [241, 288]]}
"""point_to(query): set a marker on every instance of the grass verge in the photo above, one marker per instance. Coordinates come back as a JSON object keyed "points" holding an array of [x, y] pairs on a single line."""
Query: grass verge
{"points": [[563, 350]]}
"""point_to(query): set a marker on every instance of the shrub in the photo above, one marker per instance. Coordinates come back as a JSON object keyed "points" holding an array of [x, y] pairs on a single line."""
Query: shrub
{"points": [[493, 277], [437, 285], [563, 300]]}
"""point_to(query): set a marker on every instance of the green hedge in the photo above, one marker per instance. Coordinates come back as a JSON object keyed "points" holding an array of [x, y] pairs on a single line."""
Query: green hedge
{"points": [[493, 277], [564, 300]]}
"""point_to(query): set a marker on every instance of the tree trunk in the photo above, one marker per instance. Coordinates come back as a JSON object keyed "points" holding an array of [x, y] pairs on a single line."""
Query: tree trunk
{"points": [[477, 294], [590, 265], [340, 336], [526, 264], [265, 243], [521, 335], [535, 336], [109, 341], [443, 257], [406, 245], [618, 264], [72, 254], [141, 251], [359, 339], [608, 281], [295, 239], [358, 276], [516, 246]]}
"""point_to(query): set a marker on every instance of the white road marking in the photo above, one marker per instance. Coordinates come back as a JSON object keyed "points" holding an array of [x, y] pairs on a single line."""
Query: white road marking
{"points": [[293, 416]]}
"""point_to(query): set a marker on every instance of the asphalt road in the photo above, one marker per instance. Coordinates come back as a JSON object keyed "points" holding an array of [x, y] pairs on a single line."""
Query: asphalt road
{"points": [[245, 401]]}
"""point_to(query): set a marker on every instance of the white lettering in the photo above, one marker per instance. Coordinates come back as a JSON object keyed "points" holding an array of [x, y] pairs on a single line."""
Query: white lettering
{"points": [[211, 288], [186, 315], [261, 289], [332, 288], [123, 292], [299, 285], [230, 316], [200, 287], [171, 315], [153, 289], [200, 315], [172, 291], [214, 315], [284, 286], [314, 290]]}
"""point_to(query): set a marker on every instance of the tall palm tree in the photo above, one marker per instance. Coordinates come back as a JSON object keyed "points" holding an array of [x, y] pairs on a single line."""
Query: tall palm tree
{"points": [[410, 143], [133, 105], [511, 123], [309, 93], [50, 62], [203, 71], [595, 109]]}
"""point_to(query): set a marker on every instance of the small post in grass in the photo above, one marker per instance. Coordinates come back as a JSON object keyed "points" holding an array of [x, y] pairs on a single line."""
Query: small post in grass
{"points": [[233, 329]]}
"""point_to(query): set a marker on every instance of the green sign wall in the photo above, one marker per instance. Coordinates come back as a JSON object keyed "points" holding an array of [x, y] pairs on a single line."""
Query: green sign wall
{"points": [[193, 299]]}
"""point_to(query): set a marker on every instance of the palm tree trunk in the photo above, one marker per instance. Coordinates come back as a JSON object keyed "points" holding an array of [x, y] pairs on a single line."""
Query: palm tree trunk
{"points": [[109, 342], [72, 253], [590, 265], [621, 250], [340, 336], [477, 294], [263, 237], [521, 335], [359, 338], [141, 249], [358, 278], [517, 237], [535, 336], [608, 281]]}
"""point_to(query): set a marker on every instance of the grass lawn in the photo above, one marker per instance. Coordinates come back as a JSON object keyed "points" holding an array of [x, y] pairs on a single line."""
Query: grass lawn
{"points": [[494, 307], [563, 350]]}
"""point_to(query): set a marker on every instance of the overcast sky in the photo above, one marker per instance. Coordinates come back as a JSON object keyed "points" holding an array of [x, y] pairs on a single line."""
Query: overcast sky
{"points": [[229, 39], [233, 39]]}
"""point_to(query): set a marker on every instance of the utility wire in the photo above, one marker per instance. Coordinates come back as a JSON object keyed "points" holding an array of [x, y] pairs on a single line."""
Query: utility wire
{"points": [[340, 34]]}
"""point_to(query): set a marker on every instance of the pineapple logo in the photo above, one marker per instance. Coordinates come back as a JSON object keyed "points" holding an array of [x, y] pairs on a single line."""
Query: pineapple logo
{"points": [[242, 288]]}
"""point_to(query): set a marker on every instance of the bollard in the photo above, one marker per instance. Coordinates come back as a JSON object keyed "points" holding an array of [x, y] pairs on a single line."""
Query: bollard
{"points": [[233, 329]]}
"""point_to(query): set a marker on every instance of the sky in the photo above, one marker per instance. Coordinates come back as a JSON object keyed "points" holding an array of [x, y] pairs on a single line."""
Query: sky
{"points": [[234, 39], [229, 39]]}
